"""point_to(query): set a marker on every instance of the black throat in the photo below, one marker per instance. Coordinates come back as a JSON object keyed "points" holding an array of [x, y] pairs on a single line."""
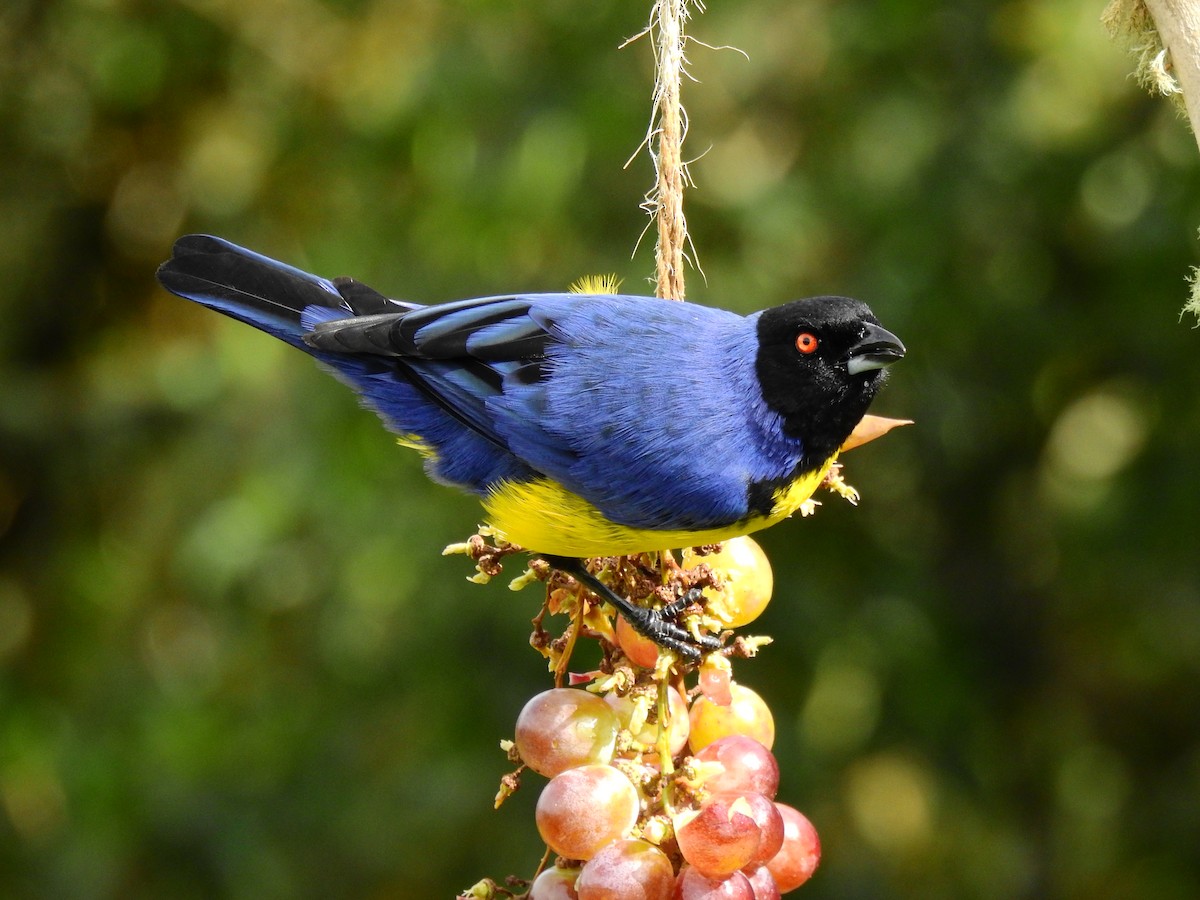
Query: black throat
{"points": [[818, 400]]}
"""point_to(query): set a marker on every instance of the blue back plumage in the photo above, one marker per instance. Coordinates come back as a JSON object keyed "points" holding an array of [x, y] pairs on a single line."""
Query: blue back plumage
{"points": [[645, 392], [649, 409]]}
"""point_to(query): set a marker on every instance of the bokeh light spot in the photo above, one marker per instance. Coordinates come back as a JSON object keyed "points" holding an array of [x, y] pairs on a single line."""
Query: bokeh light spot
{"points": [[1096, 437], [891, 801], [842, 707]]}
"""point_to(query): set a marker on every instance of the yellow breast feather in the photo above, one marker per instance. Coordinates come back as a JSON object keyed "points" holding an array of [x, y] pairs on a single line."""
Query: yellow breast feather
{"points": [[543, 516]]}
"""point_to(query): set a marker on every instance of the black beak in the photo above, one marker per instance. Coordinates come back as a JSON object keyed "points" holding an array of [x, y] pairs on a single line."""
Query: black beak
{"points": [[877, 348]]}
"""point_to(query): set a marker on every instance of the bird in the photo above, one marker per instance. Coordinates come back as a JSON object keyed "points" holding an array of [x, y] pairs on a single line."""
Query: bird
{"points": [[586, 424]]}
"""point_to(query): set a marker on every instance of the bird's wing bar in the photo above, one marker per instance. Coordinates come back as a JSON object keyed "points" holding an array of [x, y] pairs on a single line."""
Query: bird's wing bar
{"points": [[356, 334], [458, 354], [492, 329]]}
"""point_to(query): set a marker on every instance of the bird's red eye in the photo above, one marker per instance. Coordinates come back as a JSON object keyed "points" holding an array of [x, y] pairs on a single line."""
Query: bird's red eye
{"points": [[806, 342]]}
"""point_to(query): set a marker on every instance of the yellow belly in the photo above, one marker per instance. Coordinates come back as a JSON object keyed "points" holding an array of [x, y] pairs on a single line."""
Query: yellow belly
{"points": [[543, 516]]}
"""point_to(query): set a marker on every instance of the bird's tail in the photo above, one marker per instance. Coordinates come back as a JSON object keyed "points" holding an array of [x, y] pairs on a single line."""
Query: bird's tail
{"points": [[272, 296]]}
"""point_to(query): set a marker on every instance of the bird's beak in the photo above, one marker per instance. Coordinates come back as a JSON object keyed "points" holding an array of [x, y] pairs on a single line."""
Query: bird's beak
{"points": [[878, 348]]}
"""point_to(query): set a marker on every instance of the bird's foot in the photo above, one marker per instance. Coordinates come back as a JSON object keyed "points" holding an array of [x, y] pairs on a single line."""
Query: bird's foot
{"points": [[673, 609], [656, 624]]}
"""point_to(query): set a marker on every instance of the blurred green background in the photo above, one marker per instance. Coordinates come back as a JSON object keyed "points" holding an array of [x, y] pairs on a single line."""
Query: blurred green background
{"points": [[232, 660]]}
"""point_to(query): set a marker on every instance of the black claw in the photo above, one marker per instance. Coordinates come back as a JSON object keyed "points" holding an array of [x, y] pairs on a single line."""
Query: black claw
{"points": [[653, 623], [671, 610]]}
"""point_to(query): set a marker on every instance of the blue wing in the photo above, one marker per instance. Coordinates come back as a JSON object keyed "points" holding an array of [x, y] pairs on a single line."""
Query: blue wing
{"points": [[462, 356], [649, 409]]}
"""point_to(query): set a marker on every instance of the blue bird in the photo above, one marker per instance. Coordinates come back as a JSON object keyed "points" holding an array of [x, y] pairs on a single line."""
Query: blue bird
{"points": [[587, 424]]}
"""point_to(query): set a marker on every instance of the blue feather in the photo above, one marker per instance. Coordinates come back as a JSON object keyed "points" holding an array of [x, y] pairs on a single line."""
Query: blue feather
{"points": [[644, 392]]}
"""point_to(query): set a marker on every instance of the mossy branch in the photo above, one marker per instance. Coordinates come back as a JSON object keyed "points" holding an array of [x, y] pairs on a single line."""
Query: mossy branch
{"points": [[1164, 35]]}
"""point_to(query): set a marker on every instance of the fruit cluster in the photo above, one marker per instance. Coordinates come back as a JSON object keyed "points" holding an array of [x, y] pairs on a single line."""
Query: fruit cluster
{"points": [[658, 791], [622, 829]]}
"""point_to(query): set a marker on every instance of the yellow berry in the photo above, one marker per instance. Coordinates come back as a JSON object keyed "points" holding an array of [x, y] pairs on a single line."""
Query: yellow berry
{"points": [[745, 574]]}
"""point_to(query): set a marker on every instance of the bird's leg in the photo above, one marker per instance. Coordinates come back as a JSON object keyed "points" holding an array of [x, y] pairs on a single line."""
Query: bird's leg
{"points": [[653, 623]]}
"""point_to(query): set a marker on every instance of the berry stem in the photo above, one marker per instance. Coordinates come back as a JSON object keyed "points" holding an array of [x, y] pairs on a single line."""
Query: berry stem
{"points": [[663, 742], [564, 661]]}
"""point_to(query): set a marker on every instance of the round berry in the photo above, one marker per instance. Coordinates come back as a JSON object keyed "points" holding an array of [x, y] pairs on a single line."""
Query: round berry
{"points": [[746, 765], [746, 581], [626, 869], [797, 859], [747, 715], [563, 728], [719, 838], [581, 810]]}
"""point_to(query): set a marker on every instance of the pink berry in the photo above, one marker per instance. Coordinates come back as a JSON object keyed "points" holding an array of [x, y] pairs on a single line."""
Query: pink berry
{"points": [[797, 859]]}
